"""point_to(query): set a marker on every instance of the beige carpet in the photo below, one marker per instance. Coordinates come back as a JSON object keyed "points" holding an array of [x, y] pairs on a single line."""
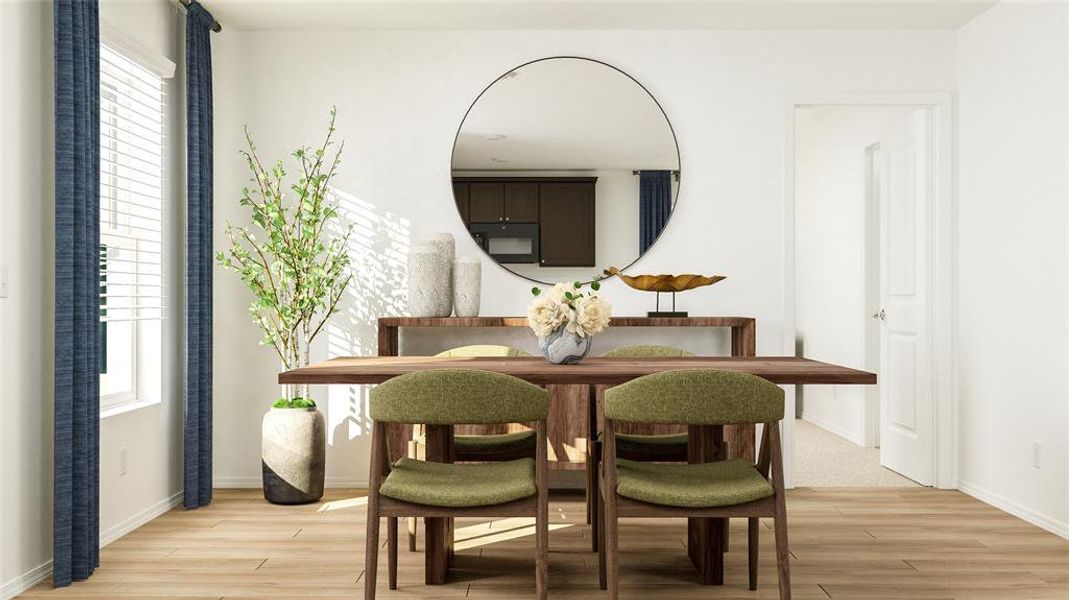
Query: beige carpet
{"points": [[824, 459]]}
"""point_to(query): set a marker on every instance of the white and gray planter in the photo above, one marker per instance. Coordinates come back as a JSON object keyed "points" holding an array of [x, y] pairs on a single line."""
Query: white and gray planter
{"points": [[294, 455]]}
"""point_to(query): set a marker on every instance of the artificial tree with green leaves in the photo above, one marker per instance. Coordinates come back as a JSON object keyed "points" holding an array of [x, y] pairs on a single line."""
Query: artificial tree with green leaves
{"points": [[296, 274]]}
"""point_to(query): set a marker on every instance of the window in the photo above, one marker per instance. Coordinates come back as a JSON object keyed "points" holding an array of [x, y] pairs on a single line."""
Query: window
{"points": [[132, 192]]}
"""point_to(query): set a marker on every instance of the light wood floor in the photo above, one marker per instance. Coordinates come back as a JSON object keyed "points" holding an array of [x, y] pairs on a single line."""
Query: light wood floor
{"points": [[876, 543]]}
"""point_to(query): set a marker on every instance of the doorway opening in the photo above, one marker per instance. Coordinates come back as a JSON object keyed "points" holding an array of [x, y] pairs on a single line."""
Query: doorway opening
{"points": [[861, 291]]}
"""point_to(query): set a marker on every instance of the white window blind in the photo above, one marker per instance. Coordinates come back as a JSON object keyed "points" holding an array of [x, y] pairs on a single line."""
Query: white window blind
{"points": [[132, 109]]}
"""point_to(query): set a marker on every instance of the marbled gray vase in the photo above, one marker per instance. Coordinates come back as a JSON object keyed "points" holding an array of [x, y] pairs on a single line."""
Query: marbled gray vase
{"points": [[293, 455], [564, 348], [446, 249], [467, 286]]}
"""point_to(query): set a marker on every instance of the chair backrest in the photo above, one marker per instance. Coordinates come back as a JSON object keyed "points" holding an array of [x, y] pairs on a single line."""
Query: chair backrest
{"points": [[482, 350], [696, 397], [458, 396], [646, 351]]}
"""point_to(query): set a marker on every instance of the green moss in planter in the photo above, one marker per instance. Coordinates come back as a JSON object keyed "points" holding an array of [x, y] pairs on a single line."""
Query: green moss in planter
{"points": [[294, 403]]}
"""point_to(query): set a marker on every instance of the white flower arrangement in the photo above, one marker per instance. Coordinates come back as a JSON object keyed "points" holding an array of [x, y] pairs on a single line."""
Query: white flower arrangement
{"points": [[565, 305]]}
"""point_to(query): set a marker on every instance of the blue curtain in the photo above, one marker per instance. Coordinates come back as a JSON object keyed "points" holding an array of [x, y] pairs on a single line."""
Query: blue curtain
{"points": [[654, 206], [77, 391], [198, 354]]}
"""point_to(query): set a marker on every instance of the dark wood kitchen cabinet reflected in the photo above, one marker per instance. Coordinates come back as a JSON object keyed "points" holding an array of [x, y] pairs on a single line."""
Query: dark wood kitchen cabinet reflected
{"points": [[566, 216], [563, 208]]}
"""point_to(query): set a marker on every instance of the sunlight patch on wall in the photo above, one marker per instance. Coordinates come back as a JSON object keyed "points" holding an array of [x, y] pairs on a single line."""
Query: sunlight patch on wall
{"points": [[378, 249]]}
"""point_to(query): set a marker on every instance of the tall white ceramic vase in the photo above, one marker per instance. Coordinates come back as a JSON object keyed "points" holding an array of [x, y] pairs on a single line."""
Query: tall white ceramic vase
{"points": [[467, 286], [428, 282], [446, 248]]}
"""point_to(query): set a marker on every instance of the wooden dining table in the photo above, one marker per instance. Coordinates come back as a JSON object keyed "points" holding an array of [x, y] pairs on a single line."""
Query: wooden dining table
{"points": [[704, 535]]}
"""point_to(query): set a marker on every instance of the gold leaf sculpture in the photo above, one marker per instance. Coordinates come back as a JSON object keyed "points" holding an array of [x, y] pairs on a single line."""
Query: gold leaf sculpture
{"points": [[665, 283]]}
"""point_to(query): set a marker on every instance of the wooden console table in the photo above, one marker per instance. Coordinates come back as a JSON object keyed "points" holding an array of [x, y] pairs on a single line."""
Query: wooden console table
{"points": [[574, 418]]}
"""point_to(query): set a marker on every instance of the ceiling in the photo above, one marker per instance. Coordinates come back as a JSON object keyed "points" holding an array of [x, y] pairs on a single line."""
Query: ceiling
{"points": [[593, 14], [565, 113]]}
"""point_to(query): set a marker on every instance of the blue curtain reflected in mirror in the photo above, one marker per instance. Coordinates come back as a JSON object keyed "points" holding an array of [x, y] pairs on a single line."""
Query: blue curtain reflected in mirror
{"points": [[654, 205]]}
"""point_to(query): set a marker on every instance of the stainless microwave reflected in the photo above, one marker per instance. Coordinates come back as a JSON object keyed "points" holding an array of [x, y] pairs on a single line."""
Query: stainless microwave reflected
{"points": [[507, 244], [565, 166]]}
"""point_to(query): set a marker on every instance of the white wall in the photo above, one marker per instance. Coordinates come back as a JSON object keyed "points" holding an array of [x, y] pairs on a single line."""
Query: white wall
{"points": [[26, 316], [400, 97], [152, 435], [1011, 307], [832, 315]]}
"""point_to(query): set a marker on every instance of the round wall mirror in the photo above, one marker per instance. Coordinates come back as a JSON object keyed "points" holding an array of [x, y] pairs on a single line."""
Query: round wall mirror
{"points": [[563, 167]]}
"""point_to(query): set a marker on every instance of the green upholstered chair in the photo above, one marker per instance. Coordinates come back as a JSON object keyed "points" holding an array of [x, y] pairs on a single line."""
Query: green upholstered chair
{"points": [[441, 399], [497, 446], [668, 445], [482, 446], [718, 490], [646, 351]]}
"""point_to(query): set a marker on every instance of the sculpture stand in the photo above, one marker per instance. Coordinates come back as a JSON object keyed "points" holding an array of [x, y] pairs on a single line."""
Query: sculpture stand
{"points": [[672, 314]]}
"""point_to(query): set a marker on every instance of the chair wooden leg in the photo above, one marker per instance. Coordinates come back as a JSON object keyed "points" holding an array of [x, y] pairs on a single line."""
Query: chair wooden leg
{"points": [[610, 549], [754, 529], [783, 558], [595, 492], [542, 549], [391, 546], [413, 452], [591, 499], [542, 512], [371, 551], [602, 579]]}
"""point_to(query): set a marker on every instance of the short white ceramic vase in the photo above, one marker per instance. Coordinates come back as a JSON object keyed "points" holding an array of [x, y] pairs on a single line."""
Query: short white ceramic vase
{"points": [[467, 286]]}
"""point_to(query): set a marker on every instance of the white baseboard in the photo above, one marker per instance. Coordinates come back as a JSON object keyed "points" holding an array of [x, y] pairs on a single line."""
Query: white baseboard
{"points": [[239, 483], [1004, 504], [150, 513], [255, 483], [31, 578], [27, 580], [846, 434]]}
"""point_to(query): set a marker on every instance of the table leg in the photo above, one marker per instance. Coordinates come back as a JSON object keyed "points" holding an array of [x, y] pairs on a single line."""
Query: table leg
{"points": [[705, 536], [591, 466], [438, 543], [742, 438]]}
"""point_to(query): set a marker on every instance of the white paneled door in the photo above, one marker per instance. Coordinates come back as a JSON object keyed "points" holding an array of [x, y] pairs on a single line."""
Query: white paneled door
{"points": [[906, 402]]}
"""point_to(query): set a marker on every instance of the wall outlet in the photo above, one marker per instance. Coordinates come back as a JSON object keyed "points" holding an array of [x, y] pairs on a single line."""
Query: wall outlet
{"points": [[1037, 455], [123, 461]]}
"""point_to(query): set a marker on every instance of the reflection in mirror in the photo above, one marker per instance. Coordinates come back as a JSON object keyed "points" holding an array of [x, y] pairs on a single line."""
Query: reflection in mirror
{"points": [[564, 167]]}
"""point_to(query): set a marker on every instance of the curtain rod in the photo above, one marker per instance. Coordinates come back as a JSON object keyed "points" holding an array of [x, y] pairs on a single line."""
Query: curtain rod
{"points": [[216, 27], [675, 174]]}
